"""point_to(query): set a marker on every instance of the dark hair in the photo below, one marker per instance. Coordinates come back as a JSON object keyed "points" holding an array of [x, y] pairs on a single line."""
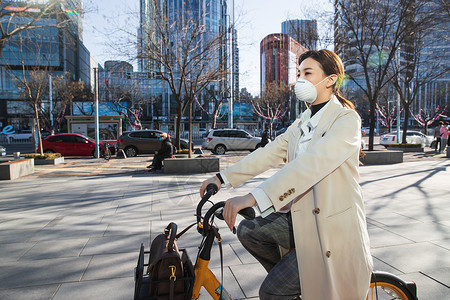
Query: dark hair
{"points": [[331, 64]]}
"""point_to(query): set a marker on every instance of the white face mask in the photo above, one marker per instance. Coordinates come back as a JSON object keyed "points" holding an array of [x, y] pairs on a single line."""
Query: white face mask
{"points": [[306, 91]]}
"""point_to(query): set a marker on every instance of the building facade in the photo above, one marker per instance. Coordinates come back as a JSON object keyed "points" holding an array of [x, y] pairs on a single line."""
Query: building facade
{"points": [[303, 31], [216, 17], [279, 59], [56, 48], [419, 64]]}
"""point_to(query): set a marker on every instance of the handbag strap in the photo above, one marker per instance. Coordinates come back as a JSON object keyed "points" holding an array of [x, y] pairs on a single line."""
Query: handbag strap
{"points": [[171, 232]]}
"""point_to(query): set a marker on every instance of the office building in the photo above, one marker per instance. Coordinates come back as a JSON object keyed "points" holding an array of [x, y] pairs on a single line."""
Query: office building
{"points": [[57, 50], [303, 31], [216, 16]]}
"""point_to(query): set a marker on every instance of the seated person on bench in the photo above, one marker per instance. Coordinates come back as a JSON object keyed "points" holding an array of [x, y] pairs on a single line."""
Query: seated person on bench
{"points": [[166, 151]]}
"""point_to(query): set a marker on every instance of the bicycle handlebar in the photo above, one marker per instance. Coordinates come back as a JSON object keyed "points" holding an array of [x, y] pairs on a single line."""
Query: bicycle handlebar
{"points": [[211, 189], [248, 213]]}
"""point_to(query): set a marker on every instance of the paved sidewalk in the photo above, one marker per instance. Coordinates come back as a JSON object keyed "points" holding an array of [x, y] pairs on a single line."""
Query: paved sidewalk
{"points": [[73, 231]]}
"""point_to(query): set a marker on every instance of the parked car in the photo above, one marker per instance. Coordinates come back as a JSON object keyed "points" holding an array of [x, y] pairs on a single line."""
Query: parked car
{"points": [[72, 144], [24, 135], [2, 151], [221, 140], [366, 130], [414, 137], [142, 142]]}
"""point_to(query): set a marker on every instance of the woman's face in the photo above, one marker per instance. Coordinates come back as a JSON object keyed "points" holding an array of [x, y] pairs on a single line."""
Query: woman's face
{"points": [[312, 71]]}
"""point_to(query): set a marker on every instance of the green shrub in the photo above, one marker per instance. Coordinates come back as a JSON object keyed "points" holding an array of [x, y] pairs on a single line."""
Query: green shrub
{"points": [[45, 156], [405, 145]]}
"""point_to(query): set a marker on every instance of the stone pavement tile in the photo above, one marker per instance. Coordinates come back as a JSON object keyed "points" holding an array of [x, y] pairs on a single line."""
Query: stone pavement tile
{"points": [[229, 257], [230, 282], [440, 275], [32, 222], [133, 227], [111, 266], [250, 278], [416, 257], [117, 289], [380, 237], [17, 235], [43, 292], [429, 213], [421, 232], [76, 219], [60, 232], [427, 288], [389, 218], [129, 216], [244, 256], [10, 252], [55, 249], [379, 265], [115, 244], [443, 243], [42, 272]]}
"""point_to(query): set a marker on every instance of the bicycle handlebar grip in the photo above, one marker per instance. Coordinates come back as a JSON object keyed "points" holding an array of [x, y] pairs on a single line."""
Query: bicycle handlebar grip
{"points": [[212, 188], [248, 213]]}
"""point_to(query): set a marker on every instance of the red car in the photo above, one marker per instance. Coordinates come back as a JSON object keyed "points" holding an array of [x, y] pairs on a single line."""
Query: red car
{"points": [[72, 144]]}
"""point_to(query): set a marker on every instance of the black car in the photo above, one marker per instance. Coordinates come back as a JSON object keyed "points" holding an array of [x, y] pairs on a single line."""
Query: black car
{"points": [[142, 142]]}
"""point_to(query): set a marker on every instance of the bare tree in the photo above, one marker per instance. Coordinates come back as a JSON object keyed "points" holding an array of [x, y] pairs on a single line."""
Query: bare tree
{"points": [[418, 67], [19, 16], [65, 91], [185, 54], [274, 102], [368, 36], [128, 101], [427, 116]]}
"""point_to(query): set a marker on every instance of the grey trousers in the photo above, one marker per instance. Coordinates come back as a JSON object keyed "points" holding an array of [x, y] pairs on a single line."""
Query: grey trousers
{"points": [[261, 237]]}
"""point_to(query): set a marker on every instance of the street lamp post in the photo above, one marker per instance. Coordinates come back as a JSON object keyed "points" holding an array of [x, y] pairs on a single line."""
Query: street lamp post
{"points": [[398, 97], [97, 135]]}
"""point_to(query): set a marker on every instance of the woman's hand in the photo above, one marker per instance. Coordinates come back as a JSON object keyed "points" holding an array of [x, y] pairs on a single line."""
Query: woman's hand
{"points": [[234, 205], [205, 183]]}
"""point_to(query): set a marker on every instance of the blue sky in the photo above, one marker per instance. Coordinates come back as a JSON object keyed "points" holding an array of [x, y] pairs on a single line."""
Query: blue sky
{"points": [[255, 20]]}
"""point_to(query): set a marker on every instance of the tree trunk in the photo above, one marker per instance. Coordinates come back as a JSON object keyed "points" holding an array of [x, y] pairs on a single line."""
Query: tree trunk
{"points": [[372, 124], [190, 130], [178, 129], [405, 123], [36, 115]]}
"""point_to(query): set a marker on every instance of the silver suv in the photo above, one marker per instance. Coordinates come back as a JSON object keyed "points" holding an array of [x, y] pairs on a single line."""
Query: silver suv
{"points": [[221, 140]]}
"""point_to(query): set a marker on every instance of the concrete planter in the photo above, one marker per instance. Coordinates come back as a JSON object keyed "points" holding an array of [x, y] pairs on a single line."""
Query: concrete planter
{"points": [[16, 168], [383, 157], [406, 149], [54, 161], [191, 165]]}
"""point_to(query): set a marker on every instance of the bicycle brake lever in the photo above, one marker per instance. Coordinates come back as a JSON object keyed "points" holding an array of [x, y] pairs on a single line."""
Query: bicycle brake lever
{"points": [[219, 214]]}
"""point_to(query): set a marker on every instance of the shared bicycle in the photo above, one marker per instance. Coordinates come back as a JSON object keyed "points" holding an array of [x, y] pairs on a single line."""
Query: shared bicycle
{"points": [[383, 285]]}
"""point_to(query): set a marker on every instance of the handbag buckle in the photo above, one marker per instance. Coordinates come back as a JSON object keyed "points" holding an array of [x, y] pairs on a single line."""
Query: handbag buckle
{"points": [[173, 270]]}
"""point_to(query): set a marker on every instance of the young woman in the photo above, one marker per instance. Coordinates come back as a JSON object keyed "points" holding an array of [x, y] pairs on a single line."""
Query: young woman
{"points": [[315, 197]]}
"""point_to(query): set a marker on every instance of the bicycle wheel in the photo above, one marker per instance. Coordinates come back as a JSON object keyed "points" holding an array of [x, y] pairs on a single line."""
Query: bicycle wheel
{"points": [[384, 286]]}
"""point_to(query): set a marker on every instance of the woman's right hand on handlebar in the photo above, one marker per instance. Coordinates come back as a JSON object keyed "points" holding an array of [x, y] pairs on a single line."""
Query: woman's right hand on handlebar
{"points": [[205, 183]]}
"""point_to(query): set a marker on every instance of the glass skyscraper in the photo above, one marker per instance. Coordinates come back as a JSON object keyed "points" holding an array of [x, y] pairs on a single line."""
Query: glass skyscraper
{"points": [[57, 50], [215, 16]]}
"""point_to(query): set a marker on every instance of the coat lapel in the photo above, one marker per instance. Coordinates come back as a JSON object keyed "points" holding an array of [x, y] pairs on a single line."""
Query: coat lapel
{"points": [[332, 111]]}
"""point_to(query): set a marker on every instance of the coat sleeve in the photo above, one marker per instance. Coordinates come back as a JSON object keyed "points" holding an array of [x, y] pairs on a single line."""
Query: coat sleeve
{"points": [[341, 141], [259, 161]]}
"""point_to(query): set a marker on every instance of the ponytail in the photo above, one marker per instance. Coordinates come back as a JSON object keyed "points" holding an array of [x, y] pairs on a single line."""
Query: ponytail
{"points": [[345, 103]]}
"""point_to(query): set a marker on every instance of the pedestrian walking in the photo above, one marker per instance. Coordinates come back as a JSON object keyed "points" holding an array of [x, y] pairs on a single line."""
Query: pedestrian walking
{"points": [[444, 137], [437, 136], [313, 203]]}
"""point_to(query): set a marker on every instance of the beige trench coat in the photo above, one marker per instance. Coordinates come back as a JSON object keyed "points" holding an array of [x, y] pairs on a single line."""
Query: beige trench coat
{"points": [[328, 214]]}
